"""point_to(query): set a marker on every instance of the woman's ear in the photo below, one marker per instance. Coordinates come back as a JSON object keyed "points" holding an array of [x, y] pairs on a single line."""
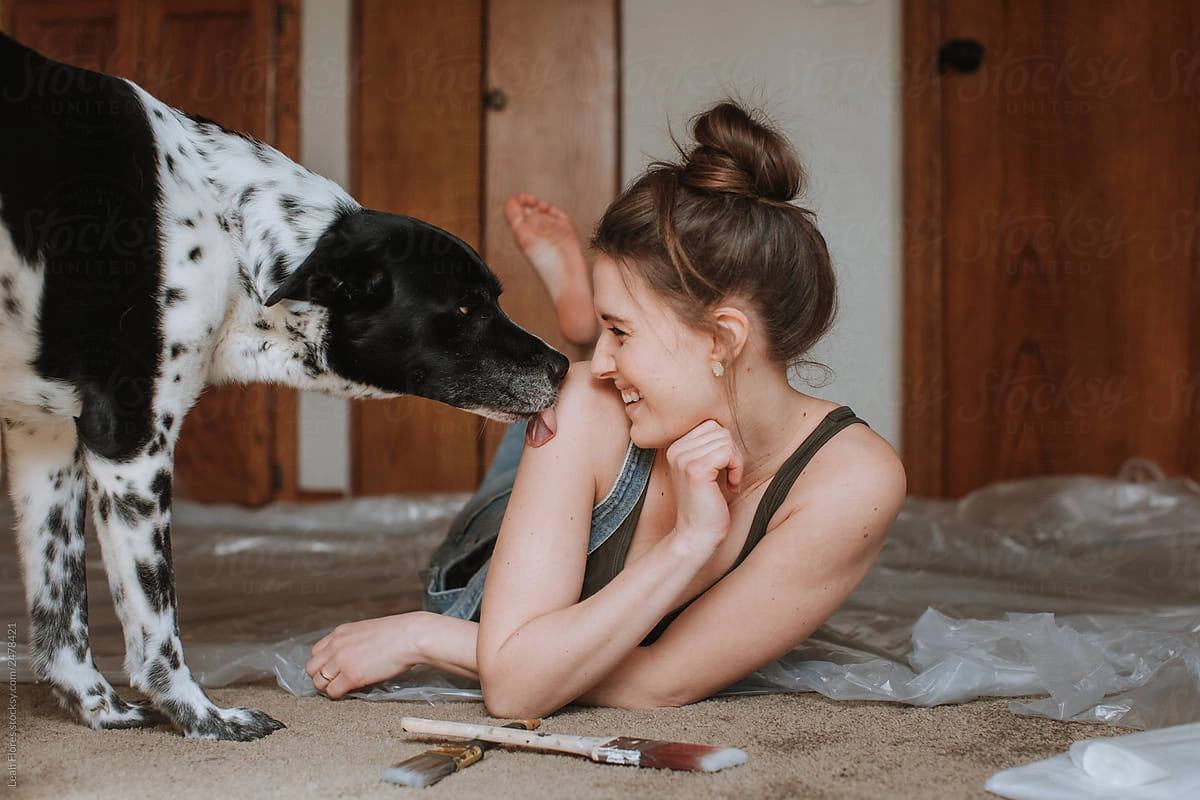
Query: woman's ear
{"points": [[733, 332]]}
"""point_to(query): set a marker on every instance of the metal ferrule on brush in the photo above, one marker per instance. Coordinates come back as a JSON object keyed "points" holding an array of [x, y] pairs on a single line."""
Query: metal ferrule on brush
{"points": [[462, 756], [437, 762]]}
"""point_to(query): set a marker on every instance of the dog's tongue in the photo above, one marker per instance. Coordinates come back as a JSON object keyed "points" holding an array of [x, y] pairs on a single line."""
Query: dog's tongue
{"points": [[541, 428]]}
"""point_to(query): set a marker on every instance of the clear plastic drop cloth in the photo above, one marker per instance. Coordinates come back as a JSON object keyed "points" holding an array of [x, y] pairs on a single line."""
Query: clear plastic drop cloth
{"points": [[1083, 591]]}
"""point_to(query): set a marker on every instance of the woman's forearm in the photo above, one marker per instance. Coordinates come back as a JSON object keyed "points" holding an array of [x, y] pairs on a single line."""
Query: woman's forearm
{"points": [[555, 658], [447, 643]]}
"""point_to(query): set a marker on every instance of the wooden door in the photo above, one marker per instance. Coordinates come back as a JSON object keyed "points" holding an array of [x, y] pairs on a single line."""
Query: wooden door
{"points": [[557, 136], [417, 150], [233, 61], [424, 145], [220, 59], [1051, 203], [100, 35]]}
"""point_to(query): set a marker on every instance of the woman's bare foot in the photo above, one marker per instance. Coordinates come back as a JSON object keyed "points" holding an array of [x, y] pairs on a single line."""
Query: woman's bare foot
{"points": [[548, 239]]}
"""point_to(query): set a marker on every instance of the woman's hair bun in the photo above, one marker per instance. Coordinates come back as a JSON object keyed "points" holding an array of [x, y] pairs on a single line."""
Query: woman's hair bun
{"points": [[719, 223], [737, 153]]}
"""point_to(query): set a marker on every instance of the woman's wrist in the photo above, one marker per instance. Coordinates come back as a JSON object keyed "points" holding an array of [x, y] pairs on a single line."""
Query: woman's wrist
{"points": [[692, 547], [446, 643], [421, 636]]}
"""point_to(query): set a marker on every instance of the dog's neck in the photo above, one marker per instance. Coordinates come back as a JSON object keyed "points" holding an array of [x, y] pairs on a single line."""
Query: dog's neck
{"points": [[280, 344], [277, 211], [273, 209]]}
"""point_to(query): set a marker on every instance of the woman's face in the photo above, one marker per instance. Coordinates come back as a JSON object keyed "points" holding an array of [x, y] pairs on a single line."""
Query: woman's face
{"points": [[661, 366]]}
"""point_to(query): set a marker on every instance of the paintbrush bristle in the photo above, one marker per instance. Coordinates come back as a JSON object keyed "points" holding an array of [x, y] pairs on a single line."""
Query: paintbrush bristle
{"points": [[425, 769], [668, 755]]}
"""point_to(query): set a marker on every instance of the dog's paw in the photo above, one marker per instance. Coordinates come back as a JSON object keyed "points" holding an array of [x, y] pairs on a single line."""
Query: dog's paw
{"points": [[102, 709], [134, 714], [230, 724]]}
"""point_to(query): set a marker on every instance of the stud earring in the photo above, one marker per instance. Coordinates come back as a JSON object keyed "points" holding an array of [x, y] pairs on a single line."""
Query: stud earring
{"points": [[718, 368]]}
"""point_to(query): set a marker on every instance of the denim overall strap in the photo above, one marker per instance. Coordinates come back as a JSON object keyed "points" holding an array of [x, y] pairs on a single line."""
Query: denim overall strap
{"points": [[608, 557], [609, 513]]}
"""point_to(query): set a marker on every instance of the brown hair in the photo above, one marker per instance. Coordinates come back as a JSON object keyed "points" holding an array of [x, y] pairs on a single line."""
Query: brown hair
{"points": [[720, 224]]}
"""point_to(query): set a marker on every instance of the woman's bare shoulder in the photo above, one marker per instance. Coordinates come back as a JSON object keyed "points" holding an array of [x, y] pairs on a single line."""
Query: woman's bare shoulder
{"points": [[857, 454], [854, 472], [586, 402], [592, 422]]}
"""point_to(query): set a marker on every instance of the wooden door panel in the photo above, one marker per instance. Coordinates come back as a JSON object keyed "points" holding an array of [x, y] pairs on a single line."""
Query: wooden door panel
{"points": [[425, 146], [99, 35], [557, 136], [233, 61], [215, 58], [1064, 237], [417, 150]]}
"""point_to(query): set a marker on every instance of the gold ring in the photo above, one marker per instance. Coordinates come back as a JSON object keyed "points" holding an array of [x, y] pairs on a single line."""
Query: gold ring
{"points": [[321, 672]]}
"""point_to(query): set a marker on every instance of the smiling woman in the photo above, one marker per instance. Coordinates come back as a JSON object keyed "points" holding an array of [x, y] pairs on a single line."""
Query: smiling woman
{"points": [[691, 517]]}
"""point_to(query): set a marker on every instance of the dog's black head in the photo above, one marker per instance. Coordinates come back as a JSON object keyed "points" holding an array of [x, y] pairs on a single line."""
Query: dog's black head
{"points": [[413, 310]]}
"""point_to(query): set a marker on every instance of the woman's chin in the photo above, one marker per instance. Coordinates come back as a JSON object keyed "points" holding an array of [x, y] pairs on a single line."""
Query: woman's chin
{"points": [[649, 438], [651, 431], [641, 438]]}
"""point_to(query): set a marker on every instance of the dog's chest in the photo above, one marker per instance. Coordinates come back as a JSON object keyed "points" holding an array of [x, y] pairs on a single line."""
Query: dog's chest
{"points": [[198, 259]]}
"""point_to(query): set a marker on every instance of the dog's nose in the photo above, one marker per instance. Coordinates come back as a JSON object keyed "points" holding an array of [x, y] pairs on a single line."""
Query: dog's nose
{"points": [[558, 367]]}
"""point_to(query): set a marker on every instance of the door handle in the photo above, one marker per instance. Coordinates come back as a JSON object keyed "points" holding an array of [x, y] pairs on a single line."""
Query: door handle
{"points": [[495, 99], [960, 55]]}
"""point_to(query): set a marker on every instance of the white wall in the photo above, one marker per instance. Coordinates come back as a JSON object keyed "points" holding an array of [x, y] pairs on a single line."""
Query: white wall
{"points": [[827, 72], [324, 424]]}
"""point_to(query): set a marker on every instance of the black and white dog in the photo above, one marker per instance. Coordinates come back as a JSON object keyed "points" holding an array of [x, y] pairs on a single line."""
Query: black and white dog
{"points": [[145, 253]]}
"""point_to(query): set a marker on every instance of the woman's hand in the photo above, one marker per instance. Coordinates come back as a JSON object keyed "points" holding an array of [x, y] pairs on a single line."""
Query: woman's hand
{"points": [[356, 654], [696, 461]]}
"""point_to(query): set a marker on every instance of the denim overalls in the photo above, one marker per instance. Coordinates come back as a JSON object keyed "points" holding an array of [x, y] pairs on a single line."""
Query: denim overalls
{"points": [[454, 580]]}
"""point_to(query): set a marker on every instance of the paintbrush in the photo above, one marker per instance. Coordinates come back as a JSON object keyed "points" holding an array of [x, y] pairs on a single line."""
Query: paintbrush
{"points": [[436, 763], [604, 749]]}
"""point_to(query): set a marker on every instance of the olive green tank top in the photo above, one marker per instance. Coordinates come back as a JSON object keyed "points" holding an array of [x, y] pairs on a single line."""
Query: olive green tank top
{"points": [[608, 559]]}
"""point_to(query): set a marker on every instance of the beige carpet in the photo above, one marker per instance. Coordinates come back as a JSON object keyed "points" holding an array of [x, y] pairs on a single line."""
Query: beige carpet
{"points": [[1014, 547], [800, 745]]}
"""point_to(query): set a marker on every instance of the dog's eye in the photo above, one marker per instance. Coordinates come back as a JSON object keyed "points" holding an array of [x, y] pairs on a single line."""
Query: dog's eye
{"points": [[477, 311]]}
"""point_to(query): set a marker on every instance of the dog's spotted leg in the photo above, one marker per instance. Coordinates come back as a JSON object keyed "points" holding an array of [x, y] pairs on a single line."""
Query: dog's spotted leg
{"points": [[47, 484], [132, 509]]}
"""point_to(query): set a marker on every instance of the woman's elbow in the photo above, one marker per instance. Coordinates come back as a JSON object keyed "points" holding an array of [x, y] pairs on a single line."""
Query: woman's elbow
{"points": [[523, 704], [514, 703], [508, 697]]}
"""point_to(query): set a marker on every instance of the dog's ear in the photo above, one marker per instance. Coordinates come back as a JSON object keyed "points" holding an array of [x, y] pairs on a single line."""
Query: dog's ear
{"points": [[340, 274]]}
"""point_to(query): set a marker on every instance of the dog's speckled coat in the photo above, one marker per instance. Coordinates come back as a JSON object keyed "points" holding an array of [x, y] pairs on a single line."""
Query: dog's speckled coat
{"points": [[145, 253]]}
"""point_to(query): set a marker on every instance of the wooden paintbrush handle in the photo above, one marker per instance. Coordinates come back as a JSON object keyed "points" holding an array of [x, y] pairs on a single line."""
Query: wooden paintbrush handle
{"points": [[578, 745], [521, 724]]}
